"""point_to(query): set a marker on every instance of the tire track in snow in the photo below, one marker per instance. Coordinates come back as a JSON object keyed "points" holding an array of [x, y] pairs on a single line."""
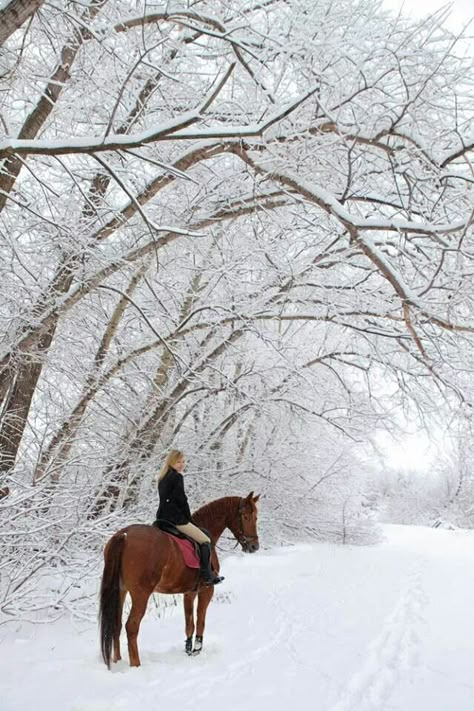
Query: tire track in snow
{"points": [[392, 653]]}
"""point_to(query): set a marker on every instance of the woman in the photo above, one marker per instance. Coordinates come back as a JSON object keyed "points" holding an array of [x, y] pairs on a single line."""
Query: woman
{"points": [[174, 508]]}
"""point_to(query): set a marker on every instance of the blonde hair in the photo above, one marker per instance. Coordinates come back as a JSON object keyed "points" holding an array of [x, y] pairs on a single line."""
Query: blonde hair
{"points": [[170, 460]]}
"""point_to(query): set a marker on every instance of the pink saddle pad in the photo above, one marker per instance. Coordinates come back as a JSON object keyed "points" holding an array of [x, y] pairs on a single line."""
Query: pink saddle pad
{"points": [[188, 551]]}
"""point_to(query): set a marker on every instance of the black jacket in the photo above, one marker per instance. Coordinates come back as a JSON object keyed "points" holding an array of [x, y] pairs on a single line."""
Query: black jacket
{"points": [[174, 505]]}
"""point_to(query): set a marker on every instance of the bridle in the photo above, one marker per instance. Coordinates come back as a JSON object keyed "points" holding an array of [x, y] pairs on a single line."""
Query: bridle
{"points": [[242, 537]]}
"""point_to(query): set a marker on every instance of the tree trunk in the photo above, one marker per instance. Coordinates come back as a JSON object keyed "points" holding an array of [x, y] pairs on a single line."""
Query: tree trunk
{"points": [[14, 15], [26, 378], [61, 443], [18, 404], [23, 379], [38, 117]]}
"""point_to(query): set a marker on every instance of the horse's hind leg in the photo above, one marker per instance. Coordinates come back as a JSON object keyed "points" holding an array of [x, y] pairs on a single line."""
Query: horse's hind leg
{"points": [[139, 603], [117, 656], [204, 598], [188, 601]]}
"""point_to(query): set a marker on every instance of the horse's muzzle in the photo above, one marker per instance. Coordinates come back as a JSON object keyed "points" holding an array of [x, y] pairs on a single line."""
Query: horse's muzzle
{"points": [[251, 547]]}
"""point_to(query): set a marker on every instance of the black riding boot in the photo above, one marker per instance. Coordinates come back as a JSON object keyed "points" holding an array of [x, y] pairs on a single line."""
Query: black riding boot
{"points": [[207, 574]]}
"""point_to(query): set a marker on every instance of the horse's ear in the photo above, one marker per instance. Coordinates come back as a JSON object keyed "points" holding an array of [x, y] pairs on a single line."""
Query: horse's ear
{"points": [[250, 496], [256, 498]]}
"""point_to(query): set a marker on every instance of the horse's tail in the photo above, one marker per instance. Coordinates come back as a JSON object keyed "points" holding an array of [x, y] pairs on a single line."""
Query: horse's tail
{"points": [[110, 612]]}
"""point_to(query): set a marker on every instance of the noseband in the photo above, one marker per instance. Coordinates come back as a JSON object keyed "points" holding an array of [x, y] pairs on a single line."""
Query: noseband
{"points": [[242, 538]]}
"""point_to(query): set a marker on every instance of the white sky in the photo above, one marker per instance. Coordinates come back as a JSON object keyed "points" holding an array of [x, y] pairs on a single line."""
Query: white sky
{"points": [[414, 453], [461, 10]]}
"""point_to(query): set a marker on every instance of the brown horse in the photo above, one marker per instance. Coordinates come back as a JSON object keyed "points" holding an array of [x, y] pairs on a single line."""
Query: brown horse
{"points": [[142, 560]]}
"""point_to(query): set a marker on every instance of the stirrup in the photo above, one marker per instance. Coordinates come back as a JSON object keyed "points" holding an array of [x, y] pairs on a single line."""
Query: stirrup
{"points": [[213, 580]]}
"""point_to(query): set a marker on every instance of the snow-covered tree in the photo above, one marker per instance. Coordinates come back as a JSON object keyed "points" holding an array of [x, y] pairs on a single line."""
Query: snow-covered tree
{"points": [[244, 228]]}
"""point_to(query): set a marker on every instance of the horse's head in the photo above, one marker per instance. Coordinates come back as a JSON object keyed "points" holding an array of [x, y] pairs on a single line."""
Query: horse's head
{"points": [[244, 527]]}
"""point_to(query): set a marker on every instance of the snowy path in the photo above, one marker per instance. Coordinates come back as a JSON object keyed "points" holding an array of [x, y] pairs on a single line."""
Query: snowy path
{"points": [[385, 628]]}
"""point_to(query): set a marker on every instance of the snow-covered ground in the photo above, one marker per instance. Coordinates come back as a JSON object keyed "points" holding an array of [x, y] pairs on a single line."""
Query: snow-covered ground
{"points": [[332, 628]]}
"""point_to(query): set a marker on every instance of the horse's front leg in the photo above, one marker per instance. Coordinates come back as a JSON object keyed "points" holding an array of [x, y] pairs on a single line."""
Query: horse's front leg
{"points": [[188, 601], [204, 598]]}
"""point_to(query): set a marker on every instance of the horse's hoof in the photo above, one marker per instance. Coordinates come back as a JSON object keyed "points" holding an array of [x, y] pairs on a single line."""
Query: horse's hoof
{"points": [[188, 646], [197, 646]]}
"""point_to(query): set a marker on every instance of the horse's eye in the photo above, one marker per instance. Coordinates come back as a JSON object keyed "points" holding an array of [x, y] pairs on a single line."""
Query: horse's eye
{"points": [[247, 517]]}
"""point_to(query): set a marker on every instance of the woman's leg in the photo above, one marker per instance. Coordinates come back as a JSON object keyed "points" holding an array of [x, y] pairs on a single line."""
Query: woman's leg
{"points": [[189, 529], [208, 575]]}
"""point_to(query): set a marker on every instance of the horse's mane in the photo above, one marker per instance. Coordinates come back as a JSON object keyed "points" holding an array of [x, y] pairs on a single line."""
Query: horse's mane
{"points": [[217, 507]]}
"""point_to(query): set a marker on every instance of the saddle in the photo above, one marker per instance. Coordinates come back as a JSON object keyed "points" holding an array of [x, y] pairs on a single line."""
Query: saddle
{"points": [[188, 546]]}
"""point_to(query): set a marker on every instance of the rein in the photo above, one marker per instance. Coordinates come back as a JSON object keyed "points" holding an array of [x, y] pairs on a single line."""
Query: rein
{"points": [[242, 538]]}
